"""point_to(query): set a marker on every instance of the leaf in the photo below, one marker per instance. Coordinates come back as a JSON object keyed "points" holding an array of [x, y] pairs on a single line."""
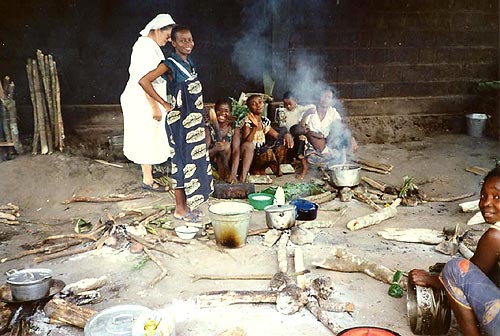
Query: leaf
{"points": [[82, 226]]}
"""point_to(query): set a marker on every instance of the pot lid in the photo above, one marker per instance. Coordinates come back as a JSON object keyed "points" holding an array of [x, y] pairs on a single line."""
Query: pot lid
{"points": [[115, 321], [28, 276], [279, 208]]}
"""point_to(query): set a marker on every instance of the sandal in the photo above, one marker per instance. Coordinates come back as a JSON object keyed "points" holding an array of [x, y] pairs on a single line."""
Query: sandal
{"points": [[153, 187], [188, 217]]}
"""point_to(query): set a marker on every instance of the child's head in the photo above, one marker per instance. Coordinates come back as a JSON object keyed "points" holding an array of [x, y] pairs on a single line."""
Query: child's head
{"points": [[223, 109], [289, 101], [255, 104], [326, 98], [182, 40], [489, 203]]}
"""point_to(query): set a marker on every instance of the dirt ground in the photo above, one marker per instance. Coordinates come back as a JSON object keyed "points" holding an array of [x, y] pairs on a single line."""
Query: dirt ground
{"points": [[39, 185]]}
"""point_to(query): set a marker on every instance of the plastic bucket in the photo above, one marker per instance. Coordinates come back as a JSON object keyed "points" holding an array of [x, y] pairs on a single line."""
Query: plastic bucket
{"points": [[230, 221], [476, 123]]}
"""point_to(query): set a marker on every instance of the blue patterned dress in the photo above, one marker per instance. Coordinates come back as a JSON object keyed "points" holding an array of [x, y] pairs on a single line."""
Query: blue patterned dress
{"points": [[186, 132]]}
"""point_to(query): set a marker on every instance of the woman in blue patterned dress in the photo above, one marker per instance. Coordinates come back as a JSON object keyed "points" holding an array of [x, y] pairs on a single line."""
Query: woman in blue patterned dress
{"points": [[185, 127]]}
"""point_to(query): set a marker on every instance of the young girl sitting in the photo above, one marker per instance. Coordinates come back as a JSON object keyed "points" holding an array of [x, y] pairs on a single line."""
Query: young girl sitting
{"points": [[254, 151]]}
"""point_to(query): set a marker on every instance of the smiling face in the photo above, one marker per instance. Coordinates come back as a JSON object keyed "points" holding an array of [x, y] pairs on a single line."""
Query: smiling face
{"points": [[223, 112], [326, 99], [255, 105], [489, 202], [183, 42]]}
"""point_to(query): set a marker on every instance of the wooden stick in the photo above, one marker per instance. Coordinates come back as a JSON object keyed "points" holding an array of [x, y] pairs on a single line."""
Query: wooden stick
{"points": [[336, 307], [375, 184], [477, 170], [379, 165], [58, 111], [344, 261], [300, 268], [111, 198], [152, 246], [89, 236], [46, 108], [257, 232], [45, 249], [63, 312], [40, 109], [448, 199], [417, 235], [327, 196], [226, 297], [316, 310], [36, 134], [64, 253], [374, 218], [109, 163], [197, 277], [282, 252], [7, 216], [374, 170], [363, 198], [157, 261]]}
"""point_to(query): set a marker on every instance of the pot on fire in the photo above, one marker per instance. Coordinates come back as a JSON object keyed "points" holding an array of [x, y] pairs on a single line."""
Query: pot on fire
{"points": [[345, 175], [280, 217], [29, 284]]}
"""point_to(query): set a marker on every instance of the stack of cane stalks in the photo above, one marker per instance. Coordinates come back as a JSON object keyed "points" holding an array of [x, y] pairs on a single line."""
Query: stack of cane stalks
{"points": [[8, 115], [48, 133]]}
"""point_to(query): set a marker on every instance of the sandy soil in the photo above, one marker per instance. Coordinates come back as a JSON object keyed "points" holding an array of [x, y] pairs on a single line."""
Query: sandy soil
{"points": [[39, 185]]}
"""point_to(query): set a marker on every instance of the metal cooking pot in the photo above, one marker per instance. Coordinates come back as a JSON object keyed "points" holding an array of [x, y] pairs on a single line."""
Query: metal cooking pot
{"points": [[29, 284], [306, 210], [345, 175], [280, 217]]}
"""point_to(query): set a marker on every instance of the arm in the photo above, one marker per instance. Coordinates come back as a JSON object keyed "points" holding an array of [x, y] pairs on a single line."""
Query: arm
{"points": [[146, 83], [487, 253], [287, 138]]}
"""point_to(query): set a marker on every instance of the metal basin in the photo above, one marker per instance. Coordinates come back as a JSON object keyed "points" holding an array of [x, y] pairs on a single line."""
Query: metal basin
{"points": [[345, 175]]}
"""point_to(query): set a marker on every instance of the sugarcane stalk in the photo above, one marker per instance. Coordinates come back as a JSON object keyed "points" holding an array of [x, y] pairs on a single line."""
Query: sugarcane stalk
{"points": [[52, 85], [36, 131], [6, 115], [40, 110], [58, 109]]}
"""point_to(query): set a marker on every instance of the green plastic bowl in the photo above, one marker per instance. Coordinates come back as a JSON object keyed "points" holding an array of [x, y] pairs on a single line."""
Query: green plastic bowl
{"points": [[260, 200]]}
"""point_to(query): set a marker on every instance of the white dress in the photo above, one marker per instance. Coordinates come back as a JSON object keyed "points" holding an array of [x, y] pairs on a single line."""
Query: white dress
{"points": [[144, 139]]}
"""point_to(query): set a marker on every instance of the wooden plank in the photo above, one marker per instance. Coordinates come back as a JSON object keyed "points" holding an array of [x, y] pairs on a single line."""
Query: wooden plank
{"points": [[6, 144]]}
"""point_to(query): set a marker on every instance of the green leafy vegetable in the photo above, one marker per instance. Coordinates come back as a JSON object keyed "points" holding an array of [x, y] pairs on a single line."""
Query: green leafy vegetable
{"points": [[296, 190], [238, 110]]}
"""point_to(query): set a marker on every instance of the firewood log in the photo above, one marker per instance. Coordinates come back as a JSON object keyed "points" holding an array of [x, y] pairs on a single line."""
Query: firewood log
{"points": [[282, 254], [36, 134], [224, 298], [344, 261], [374, 218], [39, 109], [418, 235], [63, 312]]}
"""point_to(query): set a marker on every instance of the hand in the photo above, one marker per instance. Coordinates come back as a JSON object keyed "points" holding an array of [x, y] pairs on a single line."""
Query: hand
{"points": [[157, 115], [423, 278], [288, 140], [220, 146], [354, 145], [167, 106]]}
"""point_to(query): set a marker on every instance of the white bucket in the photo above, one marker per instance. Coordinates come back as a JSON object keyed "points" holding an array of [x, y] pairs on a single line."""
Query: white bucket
{"points": [[476, 123], [230, 221]]}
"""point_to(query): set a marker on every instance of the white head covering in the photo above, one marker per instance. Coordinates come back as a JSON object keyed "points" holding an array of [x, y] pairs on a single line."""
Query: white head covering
{"points": [[160, 21]]}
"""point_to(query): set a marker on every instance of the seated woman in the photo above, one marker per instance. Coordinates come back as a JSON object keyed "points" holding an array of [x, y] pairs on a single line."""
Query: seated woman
{"points": [[331, 142], [474, 297], [256, 154], [224, 154]]}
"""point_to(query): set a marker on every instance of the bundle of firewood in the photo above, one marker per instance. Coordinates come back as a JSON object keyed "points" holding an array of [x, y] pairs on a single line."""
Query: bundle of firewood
{"points": [[8, 115], [48, 133]]}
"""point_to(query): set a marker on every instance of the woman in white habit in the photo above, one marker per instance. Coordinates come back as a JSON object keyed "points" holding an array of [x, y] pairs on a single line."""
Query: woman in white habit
{"points": [[145, 139]]}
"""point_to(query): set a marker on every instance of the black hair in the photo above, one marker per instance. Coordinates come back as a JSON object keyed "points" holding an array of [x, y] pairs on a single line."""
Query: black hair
{"points": [[288, 95], [223, 101], [252, 97], [178, 28], [495, 172]]}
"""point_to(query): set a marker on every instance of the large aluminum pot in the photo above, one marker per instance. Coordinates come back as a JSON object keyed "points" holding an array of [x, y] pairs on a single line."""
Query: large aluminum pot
{"points": [[29, 284], [280, 217], [345, 175]]}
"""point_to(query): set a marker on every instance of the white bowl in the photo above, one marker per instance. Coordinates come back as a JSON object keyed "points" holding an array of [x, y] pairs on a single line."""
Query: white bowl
{"points": [[186, 232]]}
